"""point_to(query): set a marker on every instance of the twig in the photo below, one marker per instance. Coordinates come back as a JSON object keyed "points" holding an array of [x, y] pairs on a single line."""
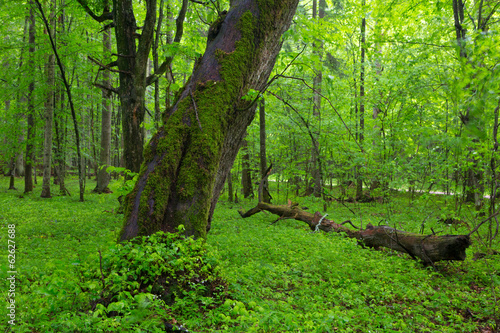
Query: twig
{"points": [[329, 102], [349, 222], [343, 204], [483, 222], [195, 109], [263, 90]]}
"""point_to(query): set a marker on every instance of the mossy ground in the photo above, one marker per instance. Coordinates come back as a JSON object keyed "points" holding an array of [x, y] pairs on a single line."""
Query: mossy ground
{"points": [[282, 277]]}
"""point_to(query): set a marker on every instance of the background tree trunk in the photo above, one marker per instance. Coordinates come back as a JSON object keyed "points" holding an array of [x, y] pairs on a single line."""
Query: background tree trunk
{"points": [[266, 197], [230, 196], [133, 64], [157, 114], [359, 177], [60, 124], [317, 172], [49, 113], [103, 177], [246, 172], [187, 160]]}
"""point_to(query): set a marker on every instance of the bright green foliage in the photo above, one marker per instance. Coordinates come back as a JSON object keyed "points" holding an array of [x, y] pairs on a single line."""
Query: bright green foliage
{"points": [[138, 285], [280, 277]]}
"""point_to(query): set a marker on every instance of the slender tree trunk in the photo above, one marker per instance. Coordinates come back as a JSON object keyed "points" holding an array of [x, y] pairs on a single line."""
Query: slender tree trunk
{"points": [[266, 197], [230, 187], [12, 162], [12, 174], [359, 180], [81, 180], [246, 172], [168, 73], [156, 64], [376, 110], [474, 187], [317, 172], [188, 159], [49, 112], [494, 177], [103, 177]]}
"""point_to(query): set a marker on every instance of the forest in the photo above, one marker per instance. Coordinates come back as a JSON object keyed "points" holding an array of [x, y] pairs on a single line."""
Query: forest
{"points": [[250, 166]]}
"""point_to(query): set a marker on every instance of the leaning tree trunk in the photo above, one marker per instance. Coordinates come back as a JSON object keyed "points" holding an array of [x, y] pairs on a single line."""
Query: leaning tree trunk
{"points": [[187, 160], [428, 248]]}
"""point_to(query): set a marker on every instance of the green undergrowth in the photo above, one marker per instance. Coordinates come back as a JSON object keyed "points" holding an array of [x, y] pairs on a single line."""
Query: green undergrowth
{"points": [[251, 275]]}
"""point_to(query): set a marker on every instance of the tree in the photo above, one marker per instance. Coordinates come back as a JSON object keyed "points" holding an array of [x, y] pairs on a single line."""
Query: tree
{"points": [[30, 156], [103, 177], [359, 183], [132, 63], [264, 194], [317, 172], [49, 111], [81, 179], [187, 160], [246, 172]]}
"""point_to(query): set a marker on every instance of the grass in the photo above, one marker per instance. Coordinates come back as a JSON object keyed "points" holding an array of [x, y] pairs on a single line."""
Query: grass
{"points": [[281, 277]]}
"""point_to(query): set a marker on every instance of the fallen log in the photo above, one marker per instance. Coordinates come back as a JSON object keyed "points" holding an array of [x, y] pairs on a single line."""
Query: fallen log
{"points": [[428, 248]]}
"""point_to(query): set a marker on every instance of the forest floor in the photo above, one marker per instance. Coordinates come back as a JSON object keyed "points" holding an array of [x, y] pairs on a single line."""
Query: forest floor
{"points": [[281, 277]]}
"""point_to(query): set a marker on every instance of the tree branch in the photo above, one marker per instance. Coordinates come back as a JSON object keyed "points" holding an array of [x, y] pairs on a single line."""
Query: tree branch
{"points": [[113, 90], [108, 66], [179, 25], [104, 16]]}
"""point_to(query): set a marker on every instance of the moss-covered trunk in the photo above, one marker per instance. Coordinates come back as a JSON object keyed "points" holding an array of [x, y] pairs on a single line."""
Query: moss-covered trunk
{"points": [[187, 160]]}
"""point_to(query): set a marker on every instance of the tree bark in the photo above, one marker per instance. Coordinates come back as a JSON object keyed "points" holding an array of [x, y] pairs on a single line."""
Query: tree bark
{"points": [[49, 112], [187, 160], [428, 248]]}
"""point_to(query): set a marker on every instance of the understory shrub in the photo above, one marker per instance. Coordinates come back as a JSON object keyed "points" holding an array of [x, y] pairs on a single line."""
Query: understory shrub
{"points": [[141, 285]]}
